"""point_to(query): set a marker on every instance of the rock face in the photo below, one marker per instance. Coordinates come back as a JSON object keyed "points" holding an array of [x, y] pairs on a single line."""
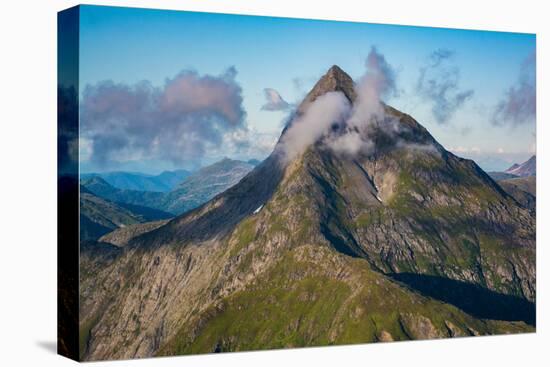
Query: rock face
{"points": [[324, 249]]}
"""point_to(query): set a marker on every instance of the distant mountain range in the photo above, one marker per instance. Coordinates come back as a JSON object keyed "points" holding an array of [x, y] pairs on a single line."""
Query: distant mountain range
{"points": [[191, 192], [162, 182], [204, 184], [490, 162], [525, 169], [402, 241], [519, 181]]}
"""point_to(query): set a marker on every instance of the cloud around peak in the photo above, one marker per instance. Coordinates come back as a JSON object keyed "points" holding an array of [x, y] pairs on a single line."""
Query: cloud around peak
{"points": [[346, 128]]}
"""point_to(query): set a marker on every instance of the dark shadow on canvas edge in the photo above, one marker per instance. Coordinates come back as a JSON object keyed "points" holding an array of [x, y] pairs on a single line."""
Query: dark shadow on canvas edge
{"points": [[48, 345]]}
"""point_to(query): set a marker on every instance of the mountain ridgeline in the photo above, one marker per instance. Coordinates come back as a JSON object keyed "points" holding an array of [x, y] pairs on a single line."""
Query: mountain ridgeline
{"points": [[405, 241], [520, 182], [194, 190], [162, 182], [99, 216]]}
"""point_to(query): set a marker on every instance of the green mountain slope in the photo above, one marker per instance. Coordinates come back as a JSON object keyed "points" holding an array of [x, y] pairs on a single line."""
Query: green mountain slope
{"points": [[205, 184], [98, 216], [323, 249], [523, 189], [316, 297]]}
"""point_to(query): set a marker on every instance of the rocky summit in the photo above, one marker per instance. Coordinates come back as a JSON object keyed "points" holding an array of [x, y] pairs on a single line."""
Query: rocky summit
{"points": [[400, 241], [525, 169]]}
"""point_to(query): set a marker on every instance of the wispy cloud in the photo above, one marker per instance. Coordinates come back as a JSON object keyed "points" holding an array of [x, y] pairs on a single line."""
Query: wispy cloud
{"points": [[274, 101], [350, 129], [519, 103], [246, 143], [438, 83], [377, 83], [177, 122]]}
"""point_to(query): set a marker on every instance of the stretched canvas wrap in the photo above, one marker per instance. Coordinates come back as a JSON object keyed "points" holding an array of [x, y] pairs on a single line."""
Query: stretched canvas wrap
{"points": [[235, 183]]}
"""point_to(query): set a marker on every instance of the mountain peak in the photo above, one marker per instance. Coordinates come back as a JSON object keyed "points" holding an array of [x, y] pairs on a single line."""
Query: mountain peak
{"points": [[334, 80], [336, 71], [527, 168]]}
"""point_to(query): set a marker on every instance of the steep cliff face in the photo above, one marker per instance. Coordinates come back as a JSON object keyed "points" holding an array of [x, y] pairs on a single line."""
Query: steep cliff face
{"points": [[325, 248]]}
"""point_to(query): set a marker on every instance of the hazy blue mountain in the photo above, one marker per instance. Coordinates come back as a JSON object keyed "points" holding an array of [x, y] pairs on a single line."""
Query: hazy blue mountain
{"points": [[523, 189], [195, 190], [162, 182], [498, 176], [105, 190], [172, 178], [254, 162], [491, 163], [204, 184]]}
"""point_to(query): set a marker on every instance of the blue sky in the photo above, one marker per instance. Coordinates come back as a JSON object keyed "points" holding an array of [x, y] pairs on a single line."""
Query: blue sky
{"points": [[127, 46]]}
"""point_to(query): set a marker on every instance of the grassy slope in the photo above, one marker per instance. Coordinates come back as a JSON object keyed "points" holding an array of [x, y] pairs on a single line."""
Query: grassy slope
{"points": [[307, 294], [302, 301], [314, 296]]}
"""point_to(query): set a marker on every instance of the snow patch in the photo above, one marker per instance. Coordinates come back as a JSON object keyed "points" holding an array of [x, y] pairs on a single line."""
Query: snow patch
{"points": [[377, 191]]}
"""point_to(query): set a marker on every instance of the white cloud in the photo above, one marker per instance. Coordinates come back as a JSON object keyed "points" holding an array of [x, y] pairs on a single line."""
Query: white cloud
{"points": [[274, 101], [326, 110]]}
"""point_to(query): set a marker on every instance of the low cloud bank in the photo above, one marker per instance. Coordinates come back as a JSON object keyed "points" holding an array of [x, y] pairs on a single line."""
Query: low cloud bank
{"points": [[177, 122]]}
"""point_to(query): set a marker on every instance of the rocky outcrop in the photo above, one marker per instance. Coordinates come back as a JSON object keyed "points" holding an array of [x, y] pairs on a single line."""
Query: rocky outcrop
{"points": [[120, 237]]}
